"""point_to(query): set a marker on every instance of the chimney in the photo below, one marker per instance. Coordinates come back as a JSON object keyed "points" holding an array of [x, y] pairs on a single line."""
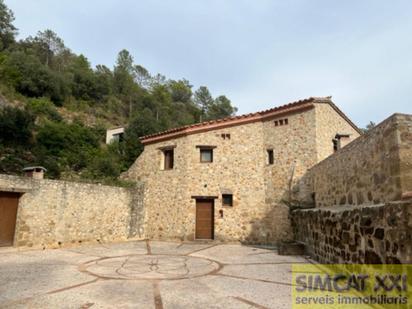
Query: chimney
{"points": [[35, 172]]}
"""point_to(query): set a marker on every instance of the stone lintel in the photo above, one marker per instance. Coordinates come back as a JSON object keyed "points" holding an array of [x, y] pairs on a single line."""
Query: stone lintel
{"points": [[204, 197], [17, 190], [206, 146]]}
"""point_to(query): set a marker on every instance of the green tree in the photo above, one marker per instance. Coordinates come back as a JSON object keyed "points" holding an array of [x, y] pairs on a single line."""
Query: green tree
{"points": [[106, 163], [142, 76], [142, 124], [29, 77], [221, 108], [49, 45], [369, 127], [104, 81], [180, 90], [204, 100], [7, 29], [84, 81], [16, 127], [124, 84], [73, 144]]}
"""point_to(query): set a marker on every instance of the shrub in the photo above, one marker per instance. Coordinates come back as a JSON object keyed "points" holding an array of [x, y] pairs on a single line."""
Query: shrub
{"points": [[73, 143], [16, 126], [43, 107]]}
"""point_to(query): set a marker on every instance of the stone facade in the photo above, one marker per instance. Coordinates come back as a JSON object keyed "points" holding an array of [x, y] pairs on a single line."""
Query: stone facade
{"points": [[372, 234], [374, 169], [58, 213], [240, 166], [363, 200]]}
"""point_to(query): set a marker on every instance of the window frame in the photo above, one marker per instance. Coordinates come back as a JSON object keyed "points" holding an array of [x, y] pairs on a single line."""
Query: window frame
{"points": [[270, 156], [223, 200], [168, 159], [203, 150], [206, 148]]}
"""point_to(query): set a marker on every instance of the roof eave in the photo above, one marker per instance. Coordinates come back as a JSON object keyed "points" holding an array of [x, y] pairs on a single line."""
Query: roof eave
{"points": [[225, 124]]}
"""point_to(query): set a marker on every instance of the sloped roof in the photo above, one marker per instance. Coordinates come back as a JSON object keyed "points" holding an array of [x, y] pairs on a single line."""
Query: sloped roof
{"points": [[242, 119]]}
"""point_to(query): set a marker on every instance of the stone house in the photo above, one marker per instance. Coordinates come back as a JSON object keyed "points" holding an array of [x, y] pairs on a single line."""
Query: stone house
{"points": [[232, 179]]}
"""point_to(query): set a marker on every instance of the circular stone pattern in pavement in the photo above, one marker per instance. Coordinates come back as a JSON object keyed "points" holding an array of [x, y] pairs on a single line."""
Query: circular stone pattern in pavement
{"points": [[160, 267]]}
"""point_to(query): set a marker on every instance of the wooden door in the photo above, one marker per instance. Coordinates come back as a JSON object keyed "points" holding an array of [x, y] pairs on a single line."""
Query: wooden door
{"points": [[8, 213], [204, 219]]}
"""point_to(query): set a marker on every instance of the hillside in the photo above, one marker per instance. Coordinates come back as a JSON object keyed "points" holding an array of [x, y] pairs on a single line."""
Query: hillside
{"points": [[55, 107]]}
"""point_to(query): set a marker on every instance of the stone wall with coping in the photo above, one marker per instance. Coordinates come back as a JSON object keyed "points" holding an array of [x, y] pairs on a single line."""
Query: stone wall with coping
{"points": [[360, 216], [57, 213], [368, 170], [404, 124], [371, 234]]}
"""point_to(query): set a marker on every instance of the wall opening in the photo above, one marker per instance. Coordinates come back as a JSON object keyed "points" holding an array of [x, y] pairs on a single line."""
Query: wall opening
{"points": [[205, 223], [9, 202]]}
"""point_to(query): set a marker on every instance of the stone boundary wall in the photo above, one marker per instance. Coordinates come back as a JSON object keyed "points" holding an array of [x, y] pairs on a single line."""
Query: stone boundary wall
{"points": [[58, 213], [366, 234], [375, 168]]}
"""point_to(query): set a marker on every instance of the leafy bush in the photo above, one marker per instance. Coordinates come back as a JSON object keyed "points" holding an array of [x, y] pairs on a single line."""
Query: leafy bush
{"points": [[73, 143], [16, 127], [143, 124], [28, 76], [104, 163], [43, 107]]}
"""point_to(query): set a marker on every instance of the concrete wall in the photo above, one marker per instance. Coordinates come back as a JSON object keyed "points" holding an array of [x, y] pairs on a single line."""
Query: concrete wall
{"points": [[368, 170], [372, 234], [53, 213]]}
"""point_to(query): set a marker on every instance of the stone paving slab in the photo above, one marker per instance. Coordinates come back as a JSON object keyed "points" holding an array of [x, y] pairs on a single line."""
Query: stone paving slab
{"points": [[146, 274]]}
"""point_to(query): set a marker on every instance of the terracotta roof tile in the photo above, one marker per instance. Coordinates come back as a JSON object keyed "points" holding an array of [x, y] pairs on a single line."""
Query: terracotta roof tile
{"points": [[235, 120]]}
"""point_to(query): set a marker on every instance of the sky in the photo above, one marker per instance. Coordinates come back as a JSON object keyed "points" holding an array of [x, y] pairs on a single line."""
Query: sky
{"points": [[260, 53]]}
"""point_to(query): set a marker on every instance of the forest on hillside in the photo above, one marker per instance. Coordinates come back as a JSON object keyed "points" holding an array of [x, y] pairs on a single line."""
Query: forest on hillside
{"points": [[55, 107]]}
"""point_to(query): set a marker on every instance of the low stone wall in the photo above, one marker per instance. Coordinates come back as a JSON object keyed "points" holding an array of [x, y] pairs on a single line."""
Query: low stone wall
{"points": [[375, 168], [363, 234], [55, 213]]}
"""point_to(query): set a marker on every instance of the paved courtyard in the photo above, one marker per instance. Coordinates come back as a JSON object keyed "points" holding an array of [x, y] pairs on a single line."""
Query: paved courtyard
{"points": [[145, 274]]}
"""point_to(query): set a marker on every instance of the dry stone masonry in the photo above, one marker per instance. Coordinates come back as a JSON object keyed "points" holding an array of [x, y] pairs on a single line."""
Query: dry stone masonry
{"points": [[372, 234]]}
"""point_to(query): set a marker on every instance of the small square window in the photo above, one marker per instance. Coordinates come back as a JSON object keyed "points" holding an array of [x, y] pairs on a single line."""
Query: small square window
{"points": [[206, 155], [281, 122], [168, 159], [270, 156], [286, 121], [227, 199], [276, 123]]}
